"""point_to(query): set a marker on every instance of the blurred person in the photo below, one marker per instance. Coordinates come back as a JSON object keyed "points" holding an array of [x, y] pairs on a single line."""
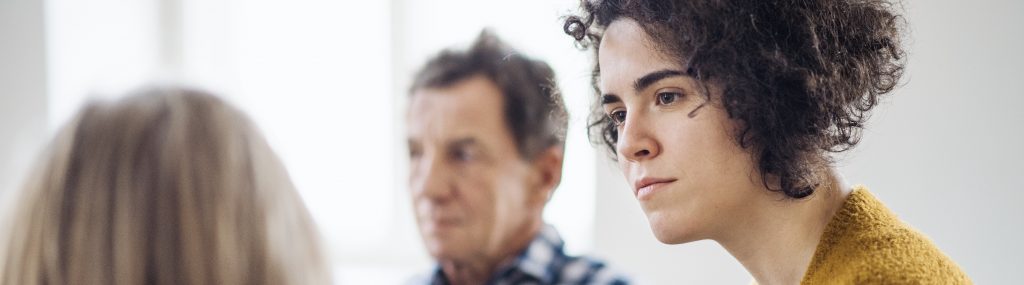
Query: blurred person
{"points": [[166, 186], [486, 136], [724, 115]]}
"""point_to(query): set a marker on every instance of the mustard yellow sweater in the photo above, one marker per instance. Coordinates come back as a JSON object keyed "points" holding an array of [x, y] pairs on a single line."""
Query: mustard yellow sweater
{"points": [[866, 244]]}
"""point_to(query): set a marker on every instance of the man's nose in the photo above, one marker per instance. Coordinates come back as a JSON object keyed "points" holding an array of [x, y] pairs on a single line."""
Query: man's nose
{"points": [[430, 179]]}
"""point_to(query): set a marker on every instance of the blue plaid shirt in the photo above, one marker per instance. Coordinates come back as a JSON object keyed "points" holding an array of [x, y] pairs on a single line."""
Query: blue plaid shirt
{"points": [[544, 262]]}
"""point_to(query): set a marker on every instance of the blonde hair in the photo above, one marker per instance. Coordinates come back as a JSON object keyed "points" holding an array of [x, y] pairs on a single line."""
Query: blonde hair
{"points": [[167, 186]]}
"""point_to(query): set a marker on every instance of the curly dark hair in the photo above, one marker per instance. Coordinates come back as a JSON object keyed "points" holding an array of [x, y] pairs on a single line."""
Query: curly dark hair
{"points": [[799, 76]]}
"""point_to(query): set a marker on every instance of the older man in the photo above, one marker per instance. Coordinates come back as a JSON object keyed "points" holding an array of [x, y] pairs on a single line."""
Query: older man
{"points": [[486, 134]]}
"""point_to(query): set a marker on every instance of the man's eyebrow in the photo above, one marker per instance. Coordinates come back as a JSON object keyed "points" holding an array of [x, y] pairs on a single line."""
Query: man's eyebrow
{"points": [[468, 143], [653, 77], [463, 142]]}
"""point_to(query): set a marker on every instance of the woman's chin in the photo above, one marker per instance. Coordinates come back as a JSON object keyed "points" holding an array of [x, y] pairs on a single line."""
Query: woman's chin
{"points": [[670, 230]]}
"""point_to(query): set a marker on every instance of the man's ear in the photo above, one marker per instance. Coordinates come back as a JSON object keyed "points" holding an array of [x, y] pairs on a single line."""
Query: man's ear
{"points": [[548, 168]]}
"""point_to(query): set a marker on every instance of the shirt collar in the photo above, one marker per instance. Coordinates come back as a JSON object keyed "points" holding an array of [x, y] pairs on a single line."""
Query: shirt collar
{"points": [[539, 260]]}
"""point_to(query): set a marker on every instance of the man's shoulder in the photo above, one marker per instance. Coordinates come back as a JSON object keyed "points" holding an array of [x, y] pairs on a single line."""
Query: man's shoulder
{"points": [[548, 250], [545, 261]]}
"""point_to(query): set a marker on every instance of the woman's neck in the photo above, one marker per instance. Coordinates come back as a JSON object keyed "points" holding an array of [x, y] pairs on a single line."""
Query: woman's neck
{"points": [[776, 239]]}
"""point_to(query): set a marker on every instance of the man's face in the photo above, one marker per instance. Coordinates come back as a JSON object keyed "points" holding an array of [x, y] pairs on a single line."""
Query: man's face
{"points": [[472, 193]]}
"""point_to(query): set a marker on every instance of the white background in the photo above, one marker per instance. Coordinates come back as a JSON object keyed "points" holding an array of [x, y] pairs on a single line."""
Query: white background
{"points": [[326, 82]]}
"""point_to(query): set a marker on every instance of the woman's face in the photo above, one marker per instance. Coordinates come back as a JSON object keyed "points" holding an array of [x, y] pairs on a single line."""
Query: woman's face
{"points": [[676, 148]]}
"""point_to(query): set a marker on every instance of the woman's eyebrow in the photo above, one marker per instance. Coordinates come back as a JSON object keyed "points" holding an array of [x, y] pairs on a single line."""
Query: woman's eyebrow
{"points": [[610, 99], [653, 77]]}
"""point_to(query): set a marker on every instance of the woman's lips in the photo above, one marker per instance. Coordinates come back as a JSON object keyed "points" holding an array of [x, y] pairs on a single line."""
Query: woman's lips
{"points": [[643, 188]]}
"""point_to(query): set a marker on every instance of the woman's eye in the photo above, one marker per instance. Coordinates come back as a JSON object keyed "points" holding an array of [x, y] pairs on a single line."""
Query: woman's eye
{"points": [[665, 98], [618, 116]]}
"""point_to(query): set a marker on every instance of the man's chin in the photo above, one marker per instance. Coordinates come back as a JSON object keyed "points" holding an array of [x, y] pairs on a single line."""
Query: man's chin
{"points": [[443, 251]]}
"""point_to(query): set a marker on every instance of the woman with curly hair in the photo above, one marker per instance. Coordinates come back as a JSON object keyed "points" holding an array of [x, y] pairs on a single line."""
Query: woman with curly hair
{"points": [[724, 116]]}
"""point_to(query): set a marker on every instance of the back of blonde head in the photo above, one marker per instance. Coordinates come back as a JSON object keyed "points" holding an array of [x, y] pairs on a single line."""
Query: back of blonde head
{"points": [[169, 186]]}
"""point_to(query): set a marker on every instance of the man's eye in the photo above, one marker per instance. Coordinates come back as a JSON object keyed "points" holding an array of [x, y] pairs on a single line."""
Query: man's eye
{"points": [[665, 98], [463, 155], [618, 116], [415, 152]]}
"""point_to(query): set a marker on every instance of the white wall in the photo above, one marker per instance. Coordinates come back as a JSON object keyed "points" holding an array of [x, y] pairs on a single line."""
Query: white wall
{"points": [[944, 152], [22, 88]]}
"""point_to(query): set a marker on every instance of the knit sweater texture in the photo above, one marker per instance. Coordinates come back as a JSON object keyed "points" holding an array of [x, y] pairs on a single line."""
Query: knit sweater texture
{"points": [[865, 243]]}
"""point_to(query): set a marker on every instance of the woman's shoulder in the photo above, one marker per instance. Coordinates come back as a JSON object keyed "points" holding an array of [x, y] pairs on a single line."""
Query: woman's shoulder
{"points": [[901, 255], [867, 244]]}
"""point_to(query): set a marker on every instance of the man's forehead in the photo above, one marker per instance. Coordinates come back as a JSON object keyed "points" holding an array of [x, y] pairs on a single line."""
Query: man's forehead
{"points": [[473, 91], [441, 104], [464, 108]]}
